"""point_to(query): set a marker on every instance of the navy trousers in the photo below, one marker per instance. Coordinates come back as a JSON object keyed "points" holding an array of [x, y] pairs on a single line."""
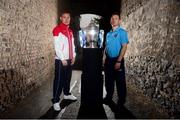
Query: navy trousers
{"points": [[62, 80], [112, 76]]}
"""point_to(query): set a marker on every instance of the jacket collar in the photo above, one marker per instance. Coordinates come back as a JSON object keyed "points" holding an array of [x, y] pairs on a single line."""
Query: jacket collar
{"points": [[116, 29], [63, 25]]}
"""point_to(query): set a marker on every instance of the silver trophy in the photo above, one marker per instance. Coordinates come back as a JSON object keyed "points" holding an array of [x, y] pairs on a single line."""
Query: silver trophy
{"points": [[91, 36]]}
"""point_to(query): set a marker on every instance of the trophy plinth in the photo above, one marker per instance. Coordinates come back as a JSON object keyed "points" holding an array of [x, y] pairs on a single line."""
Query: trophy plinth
{"points": [[91, 40]]}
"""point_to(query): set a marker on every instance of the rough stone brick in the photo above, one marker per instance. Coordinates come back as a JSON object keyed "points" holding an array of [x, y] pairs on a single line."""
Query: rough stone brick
{"points": [[26, 47], [153, 27]]}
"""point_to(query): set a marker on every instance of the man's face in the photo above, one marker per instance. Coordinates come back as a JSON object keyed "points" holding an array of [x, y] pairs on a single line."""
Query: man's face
{"points": [[115, 20], [65, 18]]}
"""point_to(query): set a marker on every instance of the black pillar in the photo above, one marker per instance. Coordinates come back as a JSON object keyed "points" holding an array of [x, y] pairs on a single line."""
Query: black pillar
{"points": [[92, 84]]}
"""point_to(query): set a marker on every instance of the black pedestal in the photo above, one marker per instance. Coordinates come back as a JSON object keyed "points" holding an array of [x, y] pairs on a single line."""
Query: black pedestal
{"points": [[92, 84]]}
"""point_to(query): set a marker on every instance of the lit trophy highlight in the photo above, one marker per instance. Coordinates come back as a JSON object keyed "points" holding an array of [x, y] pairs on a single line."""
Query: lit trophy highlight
{"points": [[91, 36]]}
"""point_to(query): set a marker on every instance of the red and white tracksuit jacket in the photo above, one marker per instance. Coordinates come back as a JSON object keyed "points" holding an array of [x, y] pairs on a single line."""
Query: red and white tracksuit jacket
{"points": [[63, 42]]}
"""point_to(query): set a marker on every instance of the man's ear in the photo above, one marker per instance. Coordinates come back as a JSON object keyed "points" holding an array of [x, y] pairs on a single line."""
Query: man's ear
{"points": [[119, 22], [60, 18]]}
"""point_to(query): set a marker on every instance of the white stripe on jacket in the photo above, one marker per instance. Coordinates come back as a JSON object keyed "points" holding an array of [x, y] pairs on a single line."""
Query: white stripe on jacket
{"points": [[62, 47]]}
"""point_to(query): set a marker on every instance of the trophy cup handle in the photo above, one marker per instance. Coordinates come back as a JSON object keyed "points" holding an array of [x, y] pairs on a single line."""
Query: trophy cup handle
{"points": [[82, 39], [101, 38]]}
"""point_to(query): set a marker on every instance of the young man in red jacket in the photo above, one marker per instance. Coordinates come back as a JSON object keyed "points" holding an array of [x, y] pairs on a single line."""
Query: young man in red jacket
{"points": [[64, 59]]}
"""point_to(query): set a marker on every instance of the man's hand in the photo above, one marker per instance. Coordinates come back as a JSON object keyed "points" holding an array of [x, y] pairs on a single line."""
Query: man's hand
{"points": [[103, 63], [73, 61], [104, 58], [64, 62], [117, 66]]}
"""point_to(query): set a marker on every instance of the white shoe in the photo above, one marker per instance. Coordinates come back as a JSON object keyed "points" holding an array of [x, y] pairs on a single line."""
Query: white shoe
{"points": [[70, 97], [56, 106]]}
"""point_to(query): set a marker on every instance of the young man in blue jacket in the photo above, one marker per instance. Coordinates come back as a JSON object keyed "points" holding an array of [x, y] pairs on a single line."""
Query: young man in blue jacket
{"points": [[115, 49]]}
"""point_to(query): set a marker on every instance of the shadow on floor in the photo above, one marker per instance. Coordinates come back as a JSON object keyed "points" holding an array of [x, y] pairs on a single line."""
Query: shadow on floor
{"points": [[121, 112], [51, 113], [124, 113], [176, 115], [91, 112]]}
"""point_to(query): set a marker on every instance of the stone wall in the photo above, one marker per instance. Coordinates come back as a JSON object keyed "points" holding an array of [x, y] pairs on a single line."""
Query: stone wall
{"points": [[26, 47], [153, 59]]}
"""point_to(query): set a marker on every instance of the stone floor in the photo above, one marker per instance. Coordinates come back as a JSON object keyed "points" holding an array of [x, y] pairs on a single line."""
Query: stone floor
{"points": [[38, 104]]}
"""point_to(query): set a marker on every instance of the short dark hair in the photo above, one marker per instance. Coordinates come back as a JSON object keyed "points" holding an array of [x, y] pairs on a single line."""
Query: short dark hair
{"points": [[65, 11], [116, 13]]}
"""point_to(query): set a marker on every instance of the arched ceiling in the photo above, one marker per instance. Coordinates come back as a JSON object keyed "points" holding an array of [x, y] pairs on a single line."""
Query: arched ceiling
{"points": [[77, 7], [103, 8]]}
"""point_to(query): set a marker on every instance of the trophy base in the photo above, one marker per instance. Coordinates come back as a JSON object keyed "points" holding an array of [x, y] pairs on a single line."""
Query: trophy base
{"points": [[92, 44]]}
